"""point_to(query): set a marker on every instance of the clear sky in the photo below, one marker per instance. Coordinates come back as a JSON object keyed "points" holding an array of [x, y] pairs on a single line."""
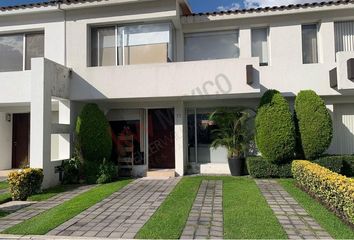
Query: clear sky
{"points": [[203, 5]]}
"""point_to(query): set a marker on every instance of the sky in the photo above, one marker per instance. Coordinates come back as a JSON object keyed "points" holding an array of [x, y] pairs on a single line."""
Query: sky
{"points": [[204, 5]]}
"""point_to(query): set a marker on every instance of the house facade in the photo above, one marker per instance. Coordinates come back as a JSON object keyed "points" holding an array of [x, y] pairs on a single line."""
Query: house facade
{"points": [[157, 71]]}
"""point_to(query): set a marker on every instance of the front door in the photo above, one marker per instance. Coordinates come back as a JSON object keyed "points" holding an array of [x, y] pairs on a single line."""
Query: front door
{"points": [[20, 140], [161, 138]]}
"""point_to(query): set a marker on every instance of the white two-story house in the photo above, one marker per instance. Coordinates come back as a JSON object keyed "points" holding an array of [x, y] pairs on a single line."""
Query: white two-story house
{"points": [[157, 70]]}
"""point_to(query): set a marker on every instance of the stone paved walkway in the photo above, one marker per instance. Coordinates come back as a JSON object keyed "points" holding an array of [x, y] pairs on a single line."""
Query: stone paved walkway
{"points": [[122, 214], [206, 217], [297, 223], [37, 208]]}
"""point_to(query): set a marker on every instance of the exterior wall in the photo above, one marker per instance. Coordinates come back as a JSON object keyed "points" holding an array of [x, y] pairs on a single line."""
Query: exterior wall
{"points": [[5, 142]]}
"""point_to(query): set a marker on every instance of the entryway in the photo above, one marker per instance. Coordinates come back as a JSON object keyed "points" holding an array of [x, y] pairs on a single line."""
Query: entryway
{"points": [[161, 138], [20, 140]]}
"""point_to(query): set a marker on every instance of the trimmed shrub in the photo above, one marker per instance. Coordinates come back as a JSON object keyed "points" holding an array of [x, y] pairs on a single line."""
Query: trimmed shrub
{"points": [[314, 122], [348, 165], [275, 130], [261, 168], [107, 173], [333, 163], [95, 140], [332, 189], [71, 171], [24, 183]]}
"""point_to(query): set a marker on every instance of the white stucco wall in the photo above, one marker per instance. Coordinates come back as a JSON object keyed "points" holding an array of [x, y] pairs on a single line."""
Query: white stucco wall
{"points": [[5, 142]]}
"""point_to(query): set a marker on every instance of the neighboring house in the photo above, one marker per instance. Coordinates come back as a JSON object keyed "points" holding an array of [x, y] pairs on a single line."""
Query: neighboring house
{"points": [[157, 70]]}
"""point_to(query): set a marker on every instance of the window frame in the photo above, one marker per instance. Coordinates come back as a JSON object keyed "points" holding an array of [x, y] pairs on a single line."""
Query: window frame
{"points": [[116, 37], [24, 46], [317, 43], [267, 28]]}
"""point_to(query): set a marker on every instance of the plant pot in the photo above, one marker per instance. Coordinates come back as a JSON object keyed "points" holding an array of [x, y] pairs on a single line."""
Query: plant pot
{"points": [[236, 165]]}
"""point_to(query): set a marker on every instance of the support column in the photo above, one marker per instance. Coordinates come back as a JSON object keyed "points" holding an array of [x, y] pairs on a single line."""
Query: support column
{"points": [[245, 43], [40, 144], [179, 139]]}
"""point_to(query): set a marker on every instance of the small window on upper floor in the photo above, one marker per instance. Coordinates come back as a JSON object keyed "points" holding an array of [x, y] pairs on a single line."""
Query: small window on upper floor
{"points": [[309, 44], [17, 50], [211, 45], [344, 36], [259, 38], [142, 44]]}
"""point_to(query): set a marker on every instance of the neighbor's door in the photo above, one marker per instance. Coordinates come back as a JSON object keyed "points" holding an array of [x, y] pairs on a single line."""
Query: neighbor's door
{"points": [[20, 140], [161, 138]]}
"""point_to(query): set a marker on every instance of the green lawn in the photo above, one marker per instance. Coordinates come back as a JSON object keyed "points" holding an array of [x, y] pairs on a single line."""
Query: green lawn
{"points": [[4, 185], [169, 220], [246, 213], [54, 217], [328, 220], [51, 192]]}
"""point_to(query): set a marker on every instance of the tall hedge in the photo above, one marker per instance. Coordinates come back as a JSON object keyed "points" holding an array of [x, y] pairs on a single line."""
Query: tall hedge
{"points": [[275, 131], [314, 124], [93, 131]]}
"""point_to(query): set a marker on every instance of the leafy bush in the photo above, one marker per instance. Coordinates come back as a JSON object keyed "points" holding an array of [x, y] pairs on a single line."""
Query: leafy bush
{"points": [[261, 168], [275, 130], [24, 183], [333, 163], [107, 173], [94, 137], [332, 189], [71, 171], [314, 122], [348, 165]]}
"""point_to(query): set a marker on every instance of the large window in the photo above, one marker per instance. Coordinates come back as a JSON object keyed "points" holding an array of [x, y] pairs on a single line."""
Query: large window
{"points": [[16, 51], [135, 44], [344, 36], [211, 45], [260, 45], [309, 44]]}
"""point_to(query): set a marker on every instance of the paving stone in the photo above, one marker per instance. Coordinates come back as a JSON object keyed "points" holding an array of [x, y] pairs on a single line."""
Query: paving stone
{"points": [[297, 223], [206, 217], [122, 214]]}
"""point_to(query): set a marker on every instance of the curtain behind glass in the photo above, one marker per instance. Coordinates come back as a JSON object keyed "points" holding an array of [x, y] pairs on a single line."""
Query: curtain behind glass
{"points": [[260, 44], [309, 44], [103, 50], [34, 47], [11, 53], [344, 36]]}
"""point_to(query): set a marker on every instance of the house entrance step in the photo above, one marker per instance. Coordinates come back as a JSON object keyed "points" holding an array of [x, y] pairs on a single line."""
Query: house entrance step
{"points": [[161, 173]]}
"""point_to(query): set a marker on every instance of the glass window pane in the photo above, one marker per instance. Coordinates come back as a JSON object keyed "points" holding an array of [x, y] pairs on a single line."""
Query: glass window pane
{"points": [[34, 47], [103, 50], [309, 44], [11, 53], [344, 36], [212, 45], [260, 44], [150, 43]]}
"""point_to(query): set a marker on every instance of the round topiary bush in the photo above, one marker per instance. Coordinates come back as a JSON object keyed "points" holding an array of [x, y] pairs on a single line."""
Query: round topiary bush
{"points": [[93, 131], [314, 124], [275, 130]]}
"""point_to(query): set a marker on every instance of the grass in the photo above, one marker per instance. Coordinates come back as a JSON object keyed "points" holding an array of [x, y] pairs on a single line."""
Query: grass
{"points": [[48, 220], [51, 192], [169, 220], [4, 185], [5, 197], [328, 220], [246, 213]]}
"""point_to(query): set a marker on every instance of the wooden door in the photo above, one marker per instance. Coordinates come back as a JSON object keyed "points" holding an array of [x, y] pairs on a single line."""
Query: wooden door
{"points": [[20, 140], [161, 138]]}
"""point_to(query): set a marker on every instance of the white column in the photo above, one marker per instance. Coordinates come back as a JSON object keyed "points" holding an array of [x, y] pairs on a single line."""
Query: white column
{"points": [[41, 120], [326, 43], [179, 139], [245, 43]]}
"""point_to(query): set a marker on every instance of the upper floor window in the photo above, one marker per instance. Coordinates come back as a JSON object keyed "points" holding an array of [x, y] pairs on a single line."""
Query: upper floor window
{"points": [[259, 38], [17, 50], [344, 36], [211, 45], [309, 44], [135, 44]]}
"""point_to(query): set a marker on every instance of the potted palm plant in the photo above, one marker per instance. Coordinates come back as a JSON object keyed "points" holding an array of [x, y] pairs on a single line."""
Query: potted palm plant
{"points": [[234, 131]]}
